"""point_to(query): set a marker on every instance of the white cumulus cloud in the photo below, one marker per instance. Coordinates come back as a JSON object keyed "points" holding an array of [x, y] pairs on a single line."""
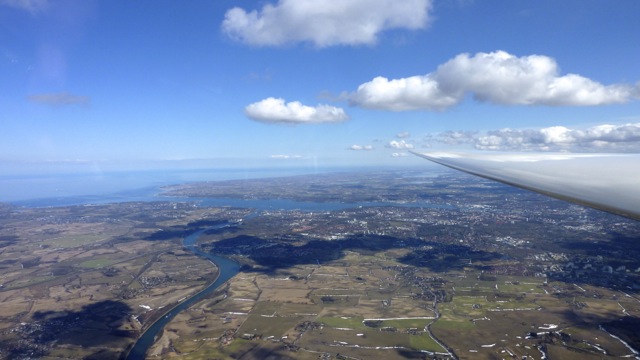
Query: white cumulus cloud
{"points": [[396, 154], [394, 144], [403, 135], [276, 110], [324, 23], [412, 93], [452, 137], [361, 147], [600, 138], [496, 77]]}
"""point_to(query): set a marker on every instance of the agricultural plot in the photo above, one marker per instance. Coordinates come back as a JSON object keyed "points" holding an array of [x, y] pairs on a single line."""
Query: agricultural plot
{"points": [[77, 283], [313, 285], [337, 309], [503, 321]]}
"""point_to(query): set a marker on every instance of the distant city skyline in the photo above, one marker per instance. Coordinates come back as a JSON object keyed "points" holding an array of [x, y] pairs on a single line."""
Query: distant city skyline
{"points": [[103, 85]]}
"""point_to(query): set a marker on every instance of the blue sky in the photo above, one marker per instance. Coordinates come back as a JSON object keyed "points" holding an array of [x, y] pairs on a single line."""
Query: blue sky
{"points": [[152, 84]]}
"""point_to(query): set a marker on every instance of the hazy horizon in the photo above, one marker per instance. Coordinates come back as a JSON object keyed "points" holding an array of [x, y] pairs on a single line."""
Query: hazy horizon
{"points": [[31, 186]]}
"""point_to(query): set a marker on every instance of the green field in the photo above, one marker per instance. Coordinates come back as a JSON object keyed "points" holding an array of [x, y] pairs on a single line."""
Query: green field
{"points": [[71, 241], [424, 342], [268, 326], [97, 263], [343, 322], [407, 323]]}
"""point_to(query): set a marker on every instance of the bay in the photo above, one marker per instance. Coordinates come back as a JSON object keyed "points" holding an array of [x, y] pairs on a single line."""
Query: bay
{"points": [[145, 186]]}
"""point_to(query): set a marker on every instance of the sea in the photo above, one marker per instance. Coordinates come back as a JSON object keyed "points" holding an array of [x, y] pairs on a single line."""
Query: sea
{"points": [[53, 190], [118, 186]]}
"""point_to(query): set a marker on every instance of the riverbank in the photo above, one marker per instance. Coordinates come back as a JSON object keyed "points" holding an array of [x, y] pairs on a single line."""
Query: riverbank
{"points": [[226, 270]]}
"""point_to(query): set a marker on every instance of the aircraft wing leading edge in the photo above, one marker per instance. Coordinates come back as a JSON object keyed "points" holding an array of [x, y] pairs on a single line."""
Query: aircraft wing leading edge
{"points": [[609, 182]]}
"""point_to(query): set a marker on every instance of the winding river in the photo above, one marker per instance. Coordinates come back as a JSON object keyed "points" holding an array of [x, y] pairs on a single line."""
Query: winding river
{"points": [[228, 268]]}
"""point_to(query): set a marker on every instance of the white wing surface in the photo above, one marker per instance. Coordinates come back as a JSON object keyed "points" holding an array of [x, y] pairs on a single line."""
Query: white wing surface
{"points": [[609, 182]]}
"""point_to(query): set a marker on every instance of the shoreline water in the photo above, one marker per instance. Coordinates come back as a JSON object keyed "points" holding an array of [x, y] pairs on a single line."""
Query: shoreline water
{"points": [[31, 187], [78, 188]]}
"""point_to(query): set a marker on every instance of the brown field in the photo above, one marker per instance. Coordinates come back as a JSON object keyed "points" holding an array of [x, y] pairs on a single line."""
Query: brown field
{"points": [[77, 285], [86, 289]]}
